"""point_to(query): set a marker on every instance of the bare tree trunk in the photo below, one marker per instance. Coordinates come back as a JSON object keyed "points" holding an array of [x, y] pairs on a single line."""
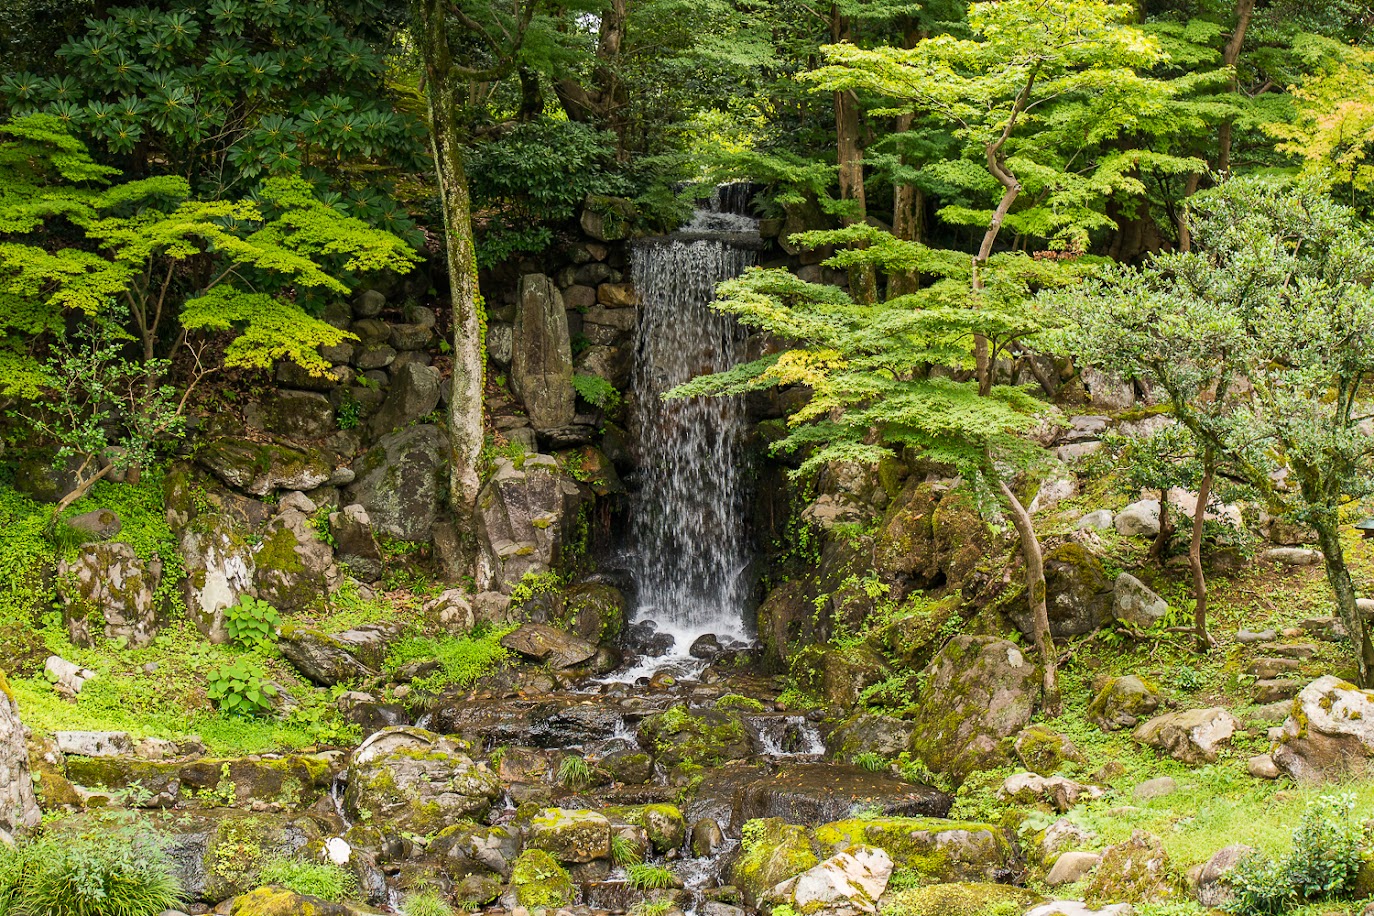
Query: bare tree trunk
{"points": [[1185, 234], [465, 418], [1338, 575], [863, 279], [908, 212], [1035, 594], [1166, 528], [1245, 9], [1204, 493]]}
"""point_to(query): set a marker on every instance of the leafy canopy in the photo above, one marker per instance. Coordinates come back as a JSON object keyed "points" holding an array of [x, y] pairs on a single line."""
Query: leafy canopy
{"points": [[146, 249]]}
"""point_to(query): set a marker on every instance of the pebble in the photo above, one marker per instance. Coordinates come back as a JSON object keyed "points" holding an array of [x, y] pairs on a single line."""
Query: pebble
{"points": [[1262, 766]]}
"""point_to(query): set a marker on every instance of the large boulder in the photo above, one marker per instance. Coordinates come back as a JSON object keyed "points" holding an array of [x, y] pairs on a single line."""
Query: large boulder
{"points": [[414, 780], [272, 900], [413, 393], [548, 645], [1329, 734], [329, 660], [1078, 594], [1122, 702], [218, 558], [979, 690], [1139, 519], [292, 565], [705, 737], [18, 804], [937, 850], [1192, 736], [402, 481], [1214, 889], [259, 468], [1136, 871], [108, 591], [355, 544], [837, 676], [594, 611], [526, 515], [818, 793], [570, 836], [1134, 604], [292, 414], [541, 368]]}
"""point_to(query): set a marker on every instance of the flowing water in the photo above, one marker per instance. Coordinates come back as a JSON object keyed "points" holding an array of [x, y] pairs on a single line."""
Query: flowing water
{"points": [[690, 553]]}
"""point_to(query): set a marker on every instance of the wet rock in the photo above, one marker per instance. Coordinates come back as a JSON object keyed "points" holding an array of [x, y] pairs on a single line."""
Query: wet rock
{"points": [[1193, 736], [1139, 519], [1329, 733], [643, 638], [108, 591], [292, 414], [817, 793], [570, 836], [937, 850], [1071, 867], [1159, 787], [525, 516], [663, 825], [323, 660], [541, 363], [1122, 702], [1214, 886], [259, 468], [979, 690], [370, 713], [843, 885], [869, 733], [355, 545], [290, 782], [775, 851], [401, 482], [100, 524], [67, 678], [594, 611], [629, 767], [607, 219], [279, 901], [706, 646], [1043, 750], [1136, 871], [838, 675], [412, 394], [417, 781], [547, 645], [18, 804], [706, 838], [537, 880], [1135, 604], [705, 737]]}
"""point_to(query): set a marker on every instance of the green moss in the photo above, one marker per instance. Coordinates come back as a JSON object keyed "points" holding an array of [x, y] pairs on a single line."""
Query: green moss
{"points": [[539, 881], [941, 850], [771, 851], [708, 737], [278, 552], [958, 900], [665, 824]]}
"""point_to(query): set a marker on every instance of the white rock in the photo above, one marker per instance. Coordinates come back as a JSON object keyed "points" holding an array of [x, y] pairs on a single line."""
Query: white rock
{"points": [[1059, 790], [1054, 490], [66, 678], [338, 850], [1193, 736], [1331, 733], [18, 804], [1139, 519], [1079, 908], [847, 883], [1071, 866], [1262, 766], [1062, 834], [1099, 520], [95, 744], [1134, 603], [1291, 556]]}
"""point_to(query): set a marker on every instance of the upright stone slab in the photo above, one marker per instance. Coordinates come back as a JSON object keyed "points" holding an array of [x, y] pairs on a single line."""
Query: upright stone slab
{"points": [[18, 805], [541, 361], [108, 591]]}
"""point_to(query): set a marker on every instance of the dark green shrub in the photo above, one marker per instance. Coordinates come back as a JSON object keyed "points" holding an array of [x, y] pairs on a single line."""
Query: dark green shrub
{"points": [[118, 871]]}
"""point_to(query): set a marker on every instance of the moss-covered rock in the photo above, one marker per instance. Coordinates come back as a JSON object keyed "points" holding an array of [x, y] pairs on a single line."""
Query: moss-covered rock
{"points": [[1136, 871], [665, 824], [570, 836], [259, 468], [401, 482], [934, 849], [1043, 750], [771, 851], [291, 782], [905, 546], [1122, 702], [594, 611], [292, 565], [1078, 594], [18, 805], [979, 691], [838, 676], [866, 733], [959, 899], [278, 901], [540, 882], [107, 591], [705, 737], [417, 781]]}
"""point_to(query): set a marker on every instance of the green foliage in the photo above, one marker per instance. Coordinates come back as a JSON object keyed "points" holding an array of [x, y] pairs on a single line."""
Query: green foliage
{"points": [[425, 903], [873, 762], [654, 908], [264, 258], [532, 584], [115, 870], [251, 622], [1327, 848], [624, 852], [349, 413], [533, 178], [596, 391], [240, 689], [317, 879], [739, 701], [228, 93], [574, 773], [462, 659], [643, 877]]}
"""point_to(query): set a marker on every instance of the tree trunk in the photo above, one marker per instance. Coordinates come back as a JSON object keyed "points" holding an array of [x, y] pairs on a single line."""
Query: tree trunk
{"points": [[1035, 594], [1185, 234], [908, 212], [1338, 575], [1204, 492], [1166, 528], [1245, 9], [863, 279], [469, 324]]}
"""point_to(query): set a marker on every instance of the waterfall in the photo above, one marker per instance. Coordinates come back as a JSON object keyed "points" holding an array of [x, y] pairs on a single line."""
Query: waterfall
{"points": [[688, 550]]}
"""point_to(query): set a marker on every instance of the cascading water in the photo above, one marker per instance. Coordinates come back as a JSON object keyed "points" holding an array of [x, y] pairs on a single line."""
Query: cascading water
{"points": [[689, 549]]}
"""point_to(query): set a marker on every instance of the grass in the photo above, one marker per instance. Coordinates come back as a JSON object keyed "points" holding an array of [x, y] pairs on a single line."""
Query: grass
{"points": [[462, 659], [425, 903], [317, 879], [574, 773], [643, 877]]}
